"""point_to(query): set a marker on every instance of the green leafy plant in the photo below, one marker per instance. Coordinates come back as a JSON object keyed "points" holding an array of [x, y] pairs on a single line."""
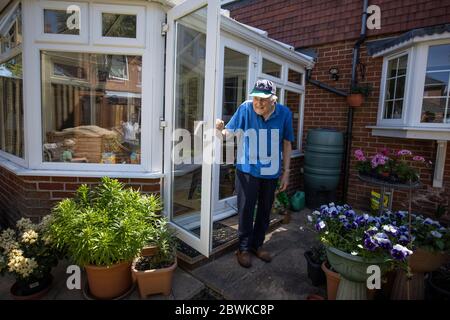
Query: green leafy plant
{"points": [[104, 225], [165, 240], [281, 202], [318, 253], [364, 89]]}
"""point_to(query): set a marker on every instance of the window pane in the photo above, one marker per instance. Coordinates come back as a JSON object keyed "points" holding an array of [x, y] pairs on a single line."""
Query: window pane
{"points": [[234, 93], [271, 68], [11, 31], [60, 22], [118, 25], [397, 112], [292, 101], [436, 84], [11, 107], [439, 58], [295, 77], [433, 110], [395, 87], [392, 68], [402, 64], [87, 117]]}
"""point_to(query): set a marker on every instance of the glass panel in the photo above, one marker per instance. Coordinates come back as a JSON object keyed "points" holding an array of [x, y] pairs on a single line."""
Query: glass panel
{"points": [[439, 58], [433, 110], [400, 88], [295, 77], [292, 101], [234, 93], [388, 106], [11, 31], [436, 84], [397, 112], [392, 68], [188, 113], [118, 25], [11, 107], [60, 22], [390, 88], [87, 117], [402, 64], [271, 68]]}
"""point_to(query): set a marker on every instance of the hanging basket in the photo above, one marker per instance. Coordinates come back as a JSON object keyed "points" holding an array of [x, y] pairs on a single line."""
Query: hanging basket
{"points": [[355, 99]]}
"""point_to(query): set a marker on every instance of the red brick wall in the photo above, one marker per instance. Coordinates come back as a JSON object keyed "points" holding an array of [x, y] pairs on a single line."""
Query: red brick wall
{"points": [[305, 23], [34, 196]]}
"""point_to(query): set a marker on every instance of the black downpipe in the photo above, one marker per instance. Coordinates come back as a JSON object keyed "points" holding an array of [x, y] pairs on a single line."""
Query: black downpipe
{"points": [[349, 132]]}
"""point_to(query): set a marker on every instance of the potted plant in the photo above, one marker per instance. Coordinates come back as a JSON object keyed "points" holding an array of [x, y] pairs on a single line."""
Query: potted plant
{"points": [[390, 165], [314, 258], [103, 229], [27, 254], [281, 205], [155, 268], [357, 94], [354, 242]]}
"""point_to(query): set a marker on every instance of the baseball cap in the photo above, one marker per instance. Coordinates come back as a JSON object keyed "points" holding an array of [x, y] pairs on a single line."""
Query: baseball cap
{"points": [[263, 89]]}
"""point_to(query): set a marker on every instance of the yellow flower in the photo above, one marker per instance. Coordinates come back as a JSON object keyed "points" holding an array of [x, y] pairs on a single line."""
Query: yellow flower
{"points": [[29, 236]]}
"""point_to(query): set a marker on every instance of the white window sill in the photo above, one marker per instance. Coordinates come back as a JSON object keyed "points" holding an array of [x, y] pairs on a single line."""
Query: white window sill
{"points": [[21, 171], [427, 133]]}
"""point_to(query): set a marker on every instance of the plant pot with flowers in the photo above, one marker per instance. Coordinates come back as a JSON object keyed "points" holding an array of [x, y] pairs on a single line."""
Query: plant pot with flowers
{"points": [[354, 243], [154, 269], [357, 95], [27, 254], [431, 244], [103, 229], [400, 167]]}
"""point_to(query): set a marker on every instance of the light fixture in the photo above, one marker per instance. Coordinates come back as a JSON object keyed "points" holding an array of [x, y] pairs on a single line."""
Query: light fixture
{"points": [[334, 72]]}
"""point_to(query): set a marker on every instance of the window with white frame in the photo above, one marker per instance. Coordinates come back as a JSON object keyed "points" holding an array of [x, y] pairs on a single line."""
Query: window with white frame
{"points": [[395, 87], [87, 118], [435, 104], [64, 22], [11, 84], [271, 68]]}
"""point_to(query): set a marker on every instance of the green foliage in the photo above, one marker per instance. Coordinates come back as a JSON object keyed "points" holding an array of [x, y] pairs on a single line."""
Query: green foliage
{"points": [[165, 239], [104, 225], [364, 89], [318, 253]]}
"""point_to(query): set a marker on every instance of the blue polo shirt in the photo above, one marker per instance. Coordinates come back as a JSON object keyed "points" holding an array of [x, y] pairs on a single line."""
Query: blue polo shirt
{"points": [[261, 143]]}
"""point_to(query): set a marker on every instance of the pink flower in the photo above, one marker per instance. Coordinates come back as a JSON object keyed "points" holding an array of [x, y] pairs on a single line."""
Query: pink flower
{"points": [[359, 155], [419, 158], [385, 151], [404, 152], [378, 159]]}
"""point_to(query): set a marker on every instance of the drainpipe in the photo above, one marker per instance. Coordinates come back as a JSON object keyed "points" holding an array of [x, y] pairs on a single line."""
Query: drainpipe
{"points": [[324, 85], [348, 134]]}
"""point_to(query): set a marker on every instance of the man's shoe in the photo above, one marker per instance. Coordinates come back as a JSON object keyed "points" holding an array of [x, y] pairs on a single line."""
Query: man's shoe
{"points": [[264, 255], [244, 258]]}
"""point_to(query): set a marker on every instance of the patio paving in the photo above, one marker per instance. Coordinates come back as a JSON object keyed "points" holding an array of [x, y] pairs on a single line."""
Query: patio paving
{"points": [[284, 278]]}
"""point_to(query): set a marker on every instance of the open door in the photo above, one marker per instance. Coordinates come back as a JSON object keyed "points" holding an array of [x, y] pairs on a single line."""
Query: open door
{"points": [[192, 48]]}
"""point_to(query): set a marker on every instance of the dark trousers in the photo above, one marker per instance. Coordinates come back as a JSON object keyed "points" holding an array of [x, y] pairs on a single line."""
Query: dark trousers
{"points": [[251, 190]]}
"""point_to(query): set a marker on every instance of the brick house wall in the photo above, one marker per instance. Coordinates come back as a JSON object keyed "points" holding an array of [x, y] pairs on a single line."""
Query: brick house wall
{"points": [[34, 196], [331, 28]]}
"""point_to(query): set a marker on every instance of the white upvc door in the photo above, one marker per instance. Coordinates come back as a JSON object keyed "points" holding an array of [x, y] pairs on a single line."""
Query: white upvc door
{"points": [[238, 62], [191, 97]]}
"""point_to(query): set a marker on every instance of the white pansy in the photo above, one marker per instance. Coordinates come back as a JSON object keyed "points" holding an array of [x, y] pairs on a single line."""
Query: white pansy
{"points": [[310, 219], [316, 213], [354, 253]]}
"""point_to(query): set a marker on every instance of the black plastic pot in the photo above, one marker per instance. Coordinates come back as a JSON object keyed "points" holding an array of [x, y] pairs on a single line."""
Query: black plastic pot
{"points": [[434, 289], [315, 272]]}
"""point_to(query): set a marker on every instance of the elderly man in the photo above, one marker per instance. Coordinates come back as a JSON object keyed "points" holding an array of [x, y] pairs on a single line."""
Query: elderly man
{"points": [[266, 126]]}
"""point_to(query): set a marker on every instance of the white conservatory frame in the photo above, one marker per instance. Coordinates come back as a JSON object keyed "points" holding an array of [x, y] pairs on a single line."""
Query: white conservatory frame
{"points": [[153, 43]]}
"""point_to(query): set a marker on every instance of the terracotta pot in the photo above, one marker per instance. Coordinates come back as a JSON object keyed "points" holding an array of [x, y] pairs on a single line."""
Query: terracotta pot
{"points": [[333, 279], [355, 99], [31, 291], [154, 281], [422, 261], [109, 282]]}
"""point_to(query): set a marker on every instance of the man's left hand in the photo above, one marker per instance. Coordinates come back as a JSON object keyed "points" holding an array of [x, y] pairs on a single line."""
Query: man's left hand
{"points": [[284, 182]]}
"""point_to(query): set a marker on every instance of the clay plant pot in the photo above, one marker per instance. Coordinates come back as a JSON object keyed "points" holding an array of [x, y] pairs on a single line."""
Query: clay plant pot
{"points": [[333, 279], [154, 281], [109, 282], [355, 99], [422, 261]]}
